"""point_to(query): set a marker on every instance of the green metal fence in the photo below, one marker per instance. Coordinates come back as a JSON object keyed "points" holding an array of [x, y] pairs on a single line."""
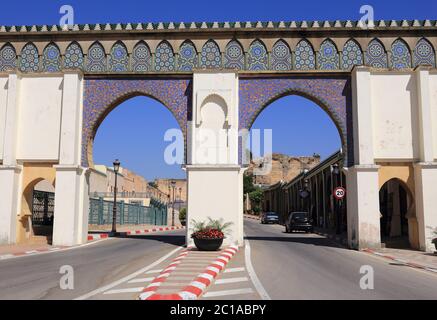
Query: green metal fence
{"points": [[127, 213]]}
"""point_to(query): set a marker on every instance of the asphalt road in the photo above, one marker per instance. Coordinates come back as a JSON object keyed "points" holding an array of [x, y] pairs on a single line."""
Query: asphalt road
{"points": [[95, 265], [308, 266]]}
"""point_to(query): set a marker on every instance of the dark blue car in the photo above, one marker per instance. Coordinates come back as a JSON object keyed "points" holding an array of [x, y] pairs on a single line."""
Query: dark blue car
{"points": [[269, 217]]}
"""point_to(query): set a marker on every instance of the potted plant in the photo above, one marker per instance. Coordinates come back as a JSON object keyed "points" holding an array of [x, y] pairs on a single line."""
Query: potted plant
{"points": [[183, 216], [208, 236]]}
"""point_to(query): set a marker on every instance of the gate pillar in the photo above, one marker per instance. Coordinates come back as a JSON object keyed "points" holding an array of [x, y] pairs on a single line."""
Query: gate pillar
{"points": [[215, 178], [10, 177], [70, 225]]}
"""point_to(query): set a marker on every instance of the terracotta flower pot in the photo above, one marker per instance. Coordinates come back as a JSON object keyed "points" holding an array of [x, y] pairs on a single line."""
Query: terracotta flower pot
{"points": [[208, 244]]}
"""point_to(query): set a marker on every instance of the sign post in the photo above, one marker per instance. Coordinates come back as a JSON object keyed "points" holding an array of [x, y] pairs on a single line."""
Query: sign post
{"points": [[339, 193]]}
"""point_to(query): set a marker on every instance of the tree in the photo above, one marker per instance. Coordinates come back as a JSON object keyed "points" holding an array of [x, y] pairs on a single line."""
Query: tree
{"points": [[248, 185], [256, 197]]}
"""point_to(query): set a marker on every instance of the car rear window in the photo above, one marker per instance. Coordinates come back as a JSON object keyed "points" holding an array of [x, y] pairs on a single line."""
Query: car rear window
{"points": [[271, 214], [299, 215]]}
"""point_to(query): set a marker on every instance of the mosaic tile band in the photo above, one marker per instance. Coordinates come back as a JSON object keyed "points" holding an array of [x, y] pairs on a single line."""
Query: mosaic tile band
{"points": [[103, 95], [332, 94]]}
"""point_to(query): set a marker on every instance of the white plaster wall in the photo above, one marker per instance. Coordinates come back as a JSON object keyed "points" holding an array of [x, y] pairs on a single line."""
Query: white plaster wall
{"points": [[433, 102], [394, 106], [215, 193], [3, 104], [215, 97], [39, 120]]}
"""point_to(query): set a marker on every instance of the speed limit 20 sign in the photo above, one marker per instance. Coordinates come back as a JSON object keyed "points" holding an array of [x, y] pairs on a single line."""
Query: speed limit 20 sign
{"points": [[339, 193]]}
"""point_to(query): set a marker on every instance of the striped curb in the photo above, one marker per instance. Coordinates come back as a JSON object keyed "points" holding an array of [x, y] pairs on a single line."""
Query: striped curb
{"points": [[404, 262], [92, 237], [196, 287], [30, 252], [136, 232]]}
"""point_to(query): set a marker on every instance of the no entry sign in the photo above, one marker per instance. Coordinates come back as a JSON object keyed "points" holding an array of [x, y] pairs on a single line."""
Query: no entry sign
{"points": [[339, 193]]}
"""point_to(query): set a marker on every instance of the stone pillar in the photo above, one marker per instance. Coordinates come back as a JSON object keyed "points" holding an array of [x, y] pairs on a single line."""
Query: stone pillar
{"points": [[425, 172], [215, 179], [425, 176], [363, 215], [71, 201], [10, 178], [10, 170]]}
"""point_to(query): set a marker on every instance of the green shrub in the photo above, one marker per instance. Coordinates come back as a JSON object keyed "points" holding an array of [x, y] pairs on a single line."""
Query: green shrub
{"points": [[183, 214]]}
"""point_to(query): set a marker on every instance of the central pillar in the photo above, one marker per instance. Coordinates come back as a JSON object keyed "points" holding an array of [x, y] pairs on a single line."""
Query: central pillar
{"points": [[215, 178]]}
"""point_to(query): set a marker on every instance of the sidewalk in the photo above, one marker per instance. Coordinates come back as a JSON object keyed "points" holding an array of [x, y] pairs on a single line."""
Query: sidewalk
{"points": [[416, 259], [23, 249]]}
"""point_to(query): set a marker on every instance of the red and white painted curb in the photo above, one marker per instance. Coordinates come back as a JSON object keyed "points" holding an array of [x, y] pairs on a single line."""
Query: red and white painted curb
{"points": [[404, 262], [92, 237], [135, 232], [198, 286]]}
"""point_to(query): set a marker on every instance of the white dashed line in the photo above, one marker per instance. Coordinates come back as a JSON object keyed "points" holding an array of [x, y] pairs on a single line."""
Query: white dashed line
{"points": [[127, 290], [141, 280], [227, 292], [231, 280], [234, 270], [154, 271]]}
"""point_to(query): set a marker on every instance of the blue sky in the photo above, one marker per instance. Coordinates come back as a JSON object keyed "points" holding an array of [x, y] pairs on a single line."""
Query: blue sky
{"points": [[134, 131], [101, 11]]}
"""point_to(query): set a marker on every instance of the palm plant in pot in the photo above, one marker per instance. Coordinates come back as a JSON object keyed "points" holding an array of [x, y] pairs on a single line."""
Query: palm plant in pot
{"points": [[208, 236]]}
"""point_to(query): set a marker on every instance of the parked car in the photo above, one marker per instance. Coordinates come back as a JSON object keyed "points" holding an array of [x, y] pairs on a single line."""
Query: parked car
{"points": [[299, 221], [269, 217]]}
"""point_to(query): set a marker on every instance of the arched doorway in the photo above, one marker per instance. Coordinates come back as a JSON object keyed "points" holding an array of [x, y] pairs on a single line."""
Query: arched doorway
{"points": [[304, 136], [396, 208], [134, 131], [37, 212]]}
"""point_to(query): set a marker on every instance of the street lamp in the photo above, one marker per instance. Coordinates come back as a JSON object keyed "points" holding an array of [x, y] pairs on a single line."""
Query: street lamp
{"points": [[173, 186], [116, 165]]}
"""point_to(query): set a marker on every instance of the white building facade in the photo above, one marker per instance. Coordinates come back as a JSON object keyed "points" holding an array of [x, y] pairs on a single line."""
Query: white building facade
{"points": [[386, 115]]}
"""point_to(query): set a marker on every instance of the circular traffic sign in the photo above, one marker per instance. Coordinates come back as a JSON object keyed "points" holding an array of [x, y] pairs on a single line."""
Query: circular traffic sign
{"points": [[339, 193]]}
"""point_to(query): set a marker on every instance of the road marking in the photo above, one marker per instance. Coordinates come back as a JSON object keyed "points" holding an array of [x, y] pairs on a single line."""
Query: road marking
{"points": [[231, 280], [227, 292], [127, 290], [141, 280], [154, 271], [128, 277], [235, 270], [251, 271]]}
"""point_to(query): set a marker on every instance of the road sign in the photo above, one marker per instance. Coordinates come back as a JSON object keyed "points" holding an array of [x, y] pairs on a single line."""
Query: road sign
{"points": [[339, 193]]}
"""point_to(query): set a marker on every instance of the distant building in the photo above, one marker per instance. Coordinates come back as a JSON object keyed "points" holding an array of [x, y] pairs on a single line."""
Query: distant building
{"points": [[180, 192], [132, 188], [284, 168]]}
